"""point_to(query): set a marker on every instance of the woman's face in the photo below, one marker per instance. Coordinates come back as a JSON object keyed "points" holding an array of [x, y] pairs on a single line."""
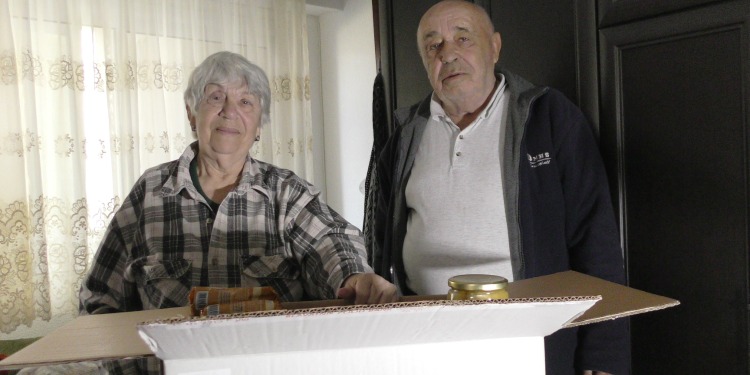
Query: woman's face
{"points": [[228, 120]]}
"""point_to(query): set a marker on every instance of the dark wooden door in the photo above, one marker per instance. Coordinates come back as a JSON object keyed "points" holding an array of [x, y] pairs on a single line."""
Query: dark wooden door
{"points": [[675, 137], [539, 40], [612, 12]]}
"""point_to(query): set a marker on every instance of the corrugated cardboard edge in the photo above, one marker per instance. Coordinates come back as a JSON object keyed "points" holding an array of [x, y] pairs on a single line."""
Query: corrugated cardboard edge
{"points": [[344, 309]]}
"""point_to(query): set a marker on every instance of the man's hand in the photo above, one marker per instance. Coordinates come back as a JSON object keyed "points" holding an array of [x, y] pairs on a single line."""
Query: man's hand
{"points": [[368, 288]]}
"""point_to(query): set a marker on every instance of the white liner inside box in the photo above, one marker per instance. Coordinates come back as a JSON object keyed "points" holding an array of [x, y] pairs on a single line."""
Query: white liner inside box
{"points": [[423, 337]]}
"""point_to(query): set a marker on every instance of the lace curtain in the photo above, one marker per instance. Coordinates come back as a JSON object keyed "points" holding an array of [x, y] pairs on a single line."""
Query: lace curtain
{"points": [[91, 92]]}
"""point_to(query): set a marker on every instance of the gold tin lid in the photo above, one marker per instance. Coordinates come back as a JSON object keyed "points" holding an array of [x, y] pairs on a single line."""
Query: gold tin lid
{"points": [[477, 282]]}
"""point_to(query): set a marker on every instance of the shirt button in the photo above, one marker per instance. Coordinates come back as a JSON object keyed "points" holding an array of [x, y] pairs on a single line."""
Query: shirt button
{"points": [[458, 153], [215, 262], [461, 136]]}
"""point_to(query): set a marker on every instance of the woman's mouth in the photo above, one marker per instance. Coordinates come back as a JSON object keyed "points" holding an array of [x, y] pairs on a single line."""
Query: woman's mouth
{"points": [[227, 130]]}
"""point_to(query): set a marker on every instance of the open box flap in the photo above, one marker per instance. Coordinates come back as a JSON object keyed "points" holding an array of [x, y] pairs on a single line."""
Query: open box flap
{"points": [[112, 336]]}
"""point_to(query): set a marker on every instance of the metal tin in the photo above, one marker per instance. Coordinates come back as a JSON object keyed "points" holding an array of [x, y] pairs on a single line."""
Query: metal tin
{"points": [[477, 287]]}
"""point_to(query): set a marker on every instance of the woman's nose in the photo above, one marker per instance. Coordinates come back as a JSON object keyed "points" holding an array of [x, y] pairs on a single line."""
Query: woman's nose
{"points": [[229, 110]]}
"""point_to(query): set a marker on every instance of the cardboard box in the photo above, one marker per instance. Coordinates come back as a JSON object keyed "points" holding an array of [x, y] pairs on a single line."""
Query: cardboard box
{"points": [[417, 335], [430, 337]]}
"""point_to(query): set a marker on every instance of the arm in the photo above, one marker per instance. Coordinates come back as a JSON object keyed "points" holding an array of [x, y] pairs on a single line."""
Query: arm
{"points": [[105, 288], [593, 238], [382, 175], [592, 234], [368, 288], [338, 260]]}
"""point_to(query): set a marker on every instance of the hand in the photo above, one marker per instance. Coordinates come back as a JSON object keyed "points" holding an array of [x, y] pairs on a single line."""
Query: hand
{"points": [[368, 288], [589, 372]]}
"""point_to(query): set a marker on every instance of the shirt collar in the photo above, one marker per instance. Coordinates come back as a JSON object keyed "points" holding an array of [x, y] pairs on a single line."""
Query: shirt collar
{"points": [[438, 113], [252, 178]]}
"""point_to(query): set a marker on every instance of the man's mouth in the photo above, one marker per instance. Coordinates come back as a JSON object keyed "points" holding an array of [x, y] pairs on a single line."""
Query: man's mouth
{"points": [[450, 76]]}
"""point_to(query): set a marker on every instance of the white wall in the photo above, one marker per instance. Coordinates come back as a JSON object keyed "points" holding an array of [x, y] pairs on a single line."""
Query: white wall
{"points": [[347, 53], [316, 100]]}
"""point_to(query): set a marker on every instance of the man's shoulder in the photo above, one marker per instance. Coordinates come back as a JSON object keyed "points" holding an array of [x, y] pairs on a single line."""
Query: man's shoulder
{"points": [[406, 115], [541, 98], [521, 88]]}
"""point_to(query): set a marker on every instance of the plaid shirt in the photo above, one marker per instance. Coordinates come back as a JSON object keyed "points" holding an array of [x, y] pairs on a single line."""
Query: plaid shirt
{"points": [[271, 230]]}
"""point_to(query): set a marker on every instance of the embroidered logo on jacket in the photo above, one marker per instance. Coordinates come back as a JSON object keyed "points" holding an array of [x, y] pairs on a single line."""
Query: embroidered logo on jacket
{"points": [[539, 160]]}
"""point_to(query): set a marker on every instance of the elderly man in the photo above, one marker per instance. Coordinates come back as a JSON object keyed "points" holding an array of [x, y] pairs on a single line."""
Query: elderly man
{"points": [[492, 174]]}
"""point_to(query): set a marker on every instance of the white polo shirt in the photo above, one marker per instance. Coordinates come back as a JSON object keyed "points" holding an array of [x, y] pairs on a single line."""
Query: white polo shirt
{"points": [[457, 221]]}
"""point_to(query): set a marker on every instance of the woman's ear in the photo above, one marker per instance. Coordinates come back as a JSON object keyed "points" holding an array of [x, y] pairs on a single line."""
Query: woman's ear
{"points": [[190, 116]]}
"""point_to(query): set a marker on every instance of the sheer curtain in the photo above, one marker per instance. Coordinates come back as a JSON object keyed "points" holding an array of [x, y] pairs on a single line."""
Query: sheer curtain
{"points": [[91, 94]]}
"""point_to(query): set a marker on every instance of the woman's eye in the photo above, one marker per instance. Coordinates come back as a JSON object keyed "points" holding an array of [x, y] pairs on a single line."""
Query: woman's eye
{"points": [[216, 98]]}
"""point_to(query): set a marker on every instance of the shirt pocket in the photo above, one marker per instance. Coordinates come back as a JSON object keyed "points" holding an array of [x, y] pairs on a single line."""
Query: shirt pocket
{"points": [[277, 271], [163, 283]]}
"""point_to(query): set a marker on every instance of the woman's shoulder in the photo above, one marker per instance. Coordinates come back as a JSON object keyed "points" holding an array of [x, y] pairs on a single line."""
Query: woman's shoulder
{"points": [[159, 177], [279, 179]]}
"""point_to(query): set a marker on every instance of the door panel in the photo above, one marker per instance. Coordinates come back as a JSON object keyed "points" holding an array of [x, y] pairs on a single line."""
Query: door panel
{"points": [[674, 135], [613, 12]]}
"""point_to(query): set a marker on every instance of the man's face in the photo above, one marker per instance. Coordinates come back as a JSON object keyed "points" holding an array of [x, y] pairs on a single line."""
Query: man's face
{"points": [[459, 51]]}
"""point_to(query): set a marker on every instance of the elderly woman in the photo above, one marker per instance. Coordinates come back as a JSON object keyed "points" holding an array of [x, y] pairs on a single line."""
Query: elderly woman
{"points": [[218, 217]]}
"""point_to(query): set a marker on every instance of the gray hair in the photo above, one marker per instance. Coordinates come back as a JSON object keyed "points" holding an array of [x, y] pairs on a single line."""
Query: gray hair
{"points": [[222, 67]]}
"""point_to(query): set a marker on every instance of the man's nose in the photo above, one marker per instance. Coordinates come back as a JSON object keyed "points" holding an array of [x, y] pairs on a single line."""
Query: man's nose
{"points": [[448, 53]]}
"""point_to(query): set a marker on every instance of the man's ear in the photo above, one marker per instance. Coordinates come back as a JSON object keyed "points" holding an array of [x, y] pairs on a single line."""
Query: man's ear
{"points": [[497, 44]]}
